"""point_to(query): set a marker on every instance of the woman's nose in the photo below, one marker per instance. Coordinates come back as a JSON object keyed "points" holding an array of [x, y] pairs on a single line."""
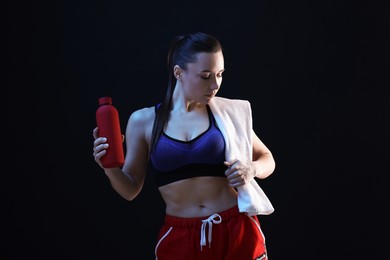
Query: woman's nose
{"points": [[216, 83]]}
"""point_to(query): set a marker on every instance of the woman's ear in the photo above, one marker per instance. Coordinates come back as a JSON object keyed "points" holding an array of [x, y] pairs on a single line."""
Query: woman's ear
{"points": [[177, 71]]}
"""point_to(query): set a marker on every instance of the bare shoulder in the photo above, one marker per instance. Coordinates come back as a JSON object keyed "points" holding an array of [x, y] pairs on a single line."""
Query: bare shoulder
{"points": [[143, 115], [141, 123]]}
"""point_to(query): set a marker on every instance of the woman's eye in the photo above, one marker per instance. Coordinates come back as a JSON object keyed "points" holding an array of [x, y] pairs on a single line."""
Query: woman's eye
{"points": [[206, 77]]}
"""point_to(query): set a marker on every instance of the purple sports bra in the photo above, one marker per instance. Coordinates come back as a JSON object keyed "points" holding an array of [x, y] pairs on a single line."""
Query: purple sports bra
{"points": [[175, 160]]}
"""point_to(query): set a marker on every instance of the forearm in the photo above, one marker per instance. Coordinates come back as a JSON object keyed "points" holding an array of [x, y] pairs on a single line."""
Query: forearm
{"points": [[123, 184], [264, 166]]}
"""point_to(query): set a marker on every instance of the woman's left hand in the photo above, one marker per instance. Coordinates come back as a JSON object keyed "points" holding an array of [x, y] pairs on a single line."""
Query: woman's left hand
{"points": [[238, 173]]}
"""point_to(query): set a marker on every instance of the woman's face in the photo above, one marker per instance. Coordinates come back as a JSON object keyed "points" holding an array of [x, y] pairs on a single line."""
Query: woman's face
{"points": [[202, 79]]}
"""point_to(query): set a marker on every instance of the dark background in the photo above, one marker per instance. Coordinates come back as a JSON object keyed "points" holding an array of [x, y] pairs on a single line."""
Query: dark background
{"points": [[316, 73]]}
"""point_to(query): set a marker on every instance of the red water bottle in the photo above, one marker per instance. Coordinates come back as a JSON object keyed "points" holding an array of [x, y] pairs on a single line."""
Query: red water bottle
{"points": [[107, 119]]}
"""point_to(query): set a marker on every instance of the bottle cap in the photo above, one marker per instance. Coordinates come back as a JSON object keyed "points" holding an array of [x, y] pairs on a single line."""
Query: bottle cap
{"points": [[105, 100]]}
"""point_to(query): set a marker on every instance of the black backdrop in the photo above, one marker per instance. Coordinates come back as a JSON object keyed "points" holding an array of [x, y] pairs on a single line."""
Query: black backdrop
{"points": [[315, 72]]}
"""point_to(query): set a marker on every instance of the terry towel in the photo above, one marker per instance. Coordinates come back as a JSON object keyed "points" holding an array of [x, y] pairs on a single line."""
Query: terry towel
{"points": [[234, 119]]}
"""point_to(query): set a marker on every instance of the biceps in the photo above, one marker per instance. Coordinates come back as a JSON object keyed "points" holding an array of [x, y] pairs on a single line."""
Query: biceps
{"points": [[259, 148], [136, 157]]}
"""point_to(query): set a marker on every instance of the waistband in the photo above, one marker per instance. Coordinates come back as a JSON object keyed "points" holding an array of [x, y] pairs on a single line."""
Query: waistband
{"points": [[197, 221]]}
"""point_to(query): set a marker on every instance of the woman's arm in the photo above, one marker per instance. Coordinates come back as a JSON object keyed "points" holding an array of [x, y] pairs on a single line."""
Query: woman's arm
{"points": [[128, 180], [262, 165], [262, 158]]}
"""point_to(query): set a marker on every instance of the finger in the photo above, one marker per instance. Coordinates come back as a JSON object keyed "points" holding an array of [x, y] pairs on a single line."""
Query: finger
{"points": [[101, 147], [230, 169], [230, 163], [95, 132], [237, 180], [98, 148], [236, 184], [99, 141], [236, 176], [229, 172], [123, 138], [98, 156], [233, 183]]}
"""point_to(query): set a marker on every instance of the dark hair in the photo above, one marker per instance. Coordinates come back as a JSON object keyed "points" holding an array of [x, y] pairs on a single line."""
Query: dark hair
{"points": [[183, 50]]}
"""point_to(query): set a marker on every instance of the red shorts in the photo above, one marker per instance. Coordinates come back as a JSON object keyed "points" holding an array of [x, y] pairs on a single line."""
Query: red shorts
{"points": [[228, 235]]}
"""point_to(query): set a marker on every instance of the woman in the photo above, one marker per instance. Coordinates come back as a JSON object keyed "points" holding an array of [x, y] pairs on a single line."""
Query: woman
{"points": [[180, 142]]}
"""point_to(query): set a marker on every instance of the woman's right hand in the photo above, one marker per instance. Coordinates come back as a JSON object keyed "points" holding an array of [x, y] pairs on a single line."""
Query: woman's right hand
{"points": [[99, 147]]}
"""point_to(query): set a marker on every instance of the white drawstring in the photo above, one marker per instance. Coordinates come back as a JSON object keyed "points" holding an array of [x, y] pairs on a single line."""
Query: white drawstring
{"points": [[209, 221]]}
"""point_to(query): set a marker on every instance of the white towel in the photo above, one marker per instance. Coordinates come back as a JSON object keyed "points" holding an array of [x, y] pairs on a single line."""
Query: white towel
{"points": [[234, 119]]}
